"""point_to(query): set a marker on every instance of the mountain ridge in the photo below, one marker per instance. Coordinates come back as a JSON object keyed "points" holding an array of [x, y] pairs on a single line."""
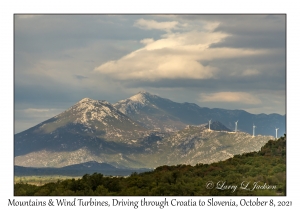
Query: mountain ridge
{"points": [[152, 131], [89, 167], [155, 112]]}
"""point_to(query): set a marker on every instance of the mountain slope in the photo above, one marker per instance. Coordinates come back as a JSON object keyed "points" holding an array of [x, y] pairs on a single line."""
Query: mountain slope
{"points": [[155, 112], [192, 145], [197, 144], [93, 130], [90, 167], [150, 111], [217, 126], [88, 123]]}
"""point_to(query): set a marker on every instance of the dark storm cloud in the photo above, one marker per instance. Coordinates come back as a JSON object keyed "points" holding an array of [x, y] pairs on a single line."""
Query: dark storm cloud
{"points": [[247, 31], [276, 40], [257, 32]]}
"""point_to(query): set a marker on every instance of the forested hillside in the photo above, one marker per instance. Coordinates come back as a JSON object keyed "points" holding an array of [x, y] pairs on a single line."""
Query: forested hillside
{"points": [[256, 173]]}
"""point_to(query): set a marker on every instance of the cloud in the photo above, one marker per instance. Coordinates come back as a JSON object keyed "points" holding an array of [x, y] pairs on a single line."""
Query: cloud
{"points": [[173, 56], [250, 72], [32, 110], [230, 97], [152, 24], [39, 112], [80, 77], [29, 117], [147, 41]]}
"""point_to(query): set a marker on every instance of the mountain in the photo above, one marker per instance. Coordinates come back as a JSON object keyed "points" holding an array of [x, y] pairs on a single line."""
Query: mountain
{"points": [[154, 112], [90, 165], [192, 145], [77, 170], [197, 144], [89, 123], [143, 131], [151, 111], [217, 126]]}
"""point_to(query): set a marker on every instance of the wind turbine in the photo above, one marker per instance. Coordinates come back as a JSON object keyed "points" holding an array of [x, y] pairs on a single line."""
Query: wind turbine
{"points": [[276, 132], [236, 126], [209, 124], [254, 130]]}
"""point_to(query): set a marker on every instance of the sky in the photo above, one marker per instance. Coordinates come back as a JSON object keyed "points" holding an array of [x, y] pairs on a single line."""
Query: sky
{"points": [[215, 61]]}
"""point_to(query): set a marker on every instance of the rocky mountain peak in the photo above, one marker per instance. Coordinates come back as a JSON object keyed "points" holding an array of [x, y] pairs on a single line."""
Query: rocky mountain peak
{"points": [[92, 102], [84, 100], [134, 103], [143, 97], [140, 97]]}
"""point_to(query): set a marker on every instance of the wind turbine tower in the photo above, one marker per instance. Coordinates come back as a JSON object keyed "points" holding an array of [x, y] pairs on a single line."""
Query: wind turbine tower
{"points": [[253, 130], [209, 124], [276, 132], [236, 126]]}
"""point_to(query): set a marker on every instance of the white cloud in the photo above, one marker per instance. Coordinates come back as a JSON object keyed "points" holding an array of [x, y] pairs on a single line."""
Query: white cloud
{"points": [[39, 113], [147, 41], [174, 56], [29, 117], [250, 72], [152, 24], [230, 97], [211, 26], [32, 110], [242, 73]]}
